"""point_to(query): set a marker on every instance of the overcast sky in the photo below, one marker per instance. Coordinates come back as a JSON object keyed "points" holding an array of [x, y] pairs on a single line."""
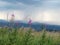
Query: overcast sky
{"points": [[37, 10]]}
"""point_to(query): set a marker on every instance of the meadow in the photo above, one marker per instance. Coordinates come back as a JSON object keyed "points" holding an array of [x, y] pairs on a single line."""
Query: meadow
{"points": [[21, 36]]}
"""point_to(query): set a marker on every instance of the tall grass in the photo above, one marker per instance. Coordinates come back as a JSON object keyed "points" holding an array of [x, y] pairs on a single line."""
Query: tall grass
{"points": [[11, 36]]}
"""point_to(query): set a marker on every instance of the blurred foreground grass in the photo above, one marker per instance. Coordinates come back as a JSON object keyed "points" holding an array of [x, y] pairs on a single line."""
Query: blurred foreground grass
{"points": [[11, 36]]}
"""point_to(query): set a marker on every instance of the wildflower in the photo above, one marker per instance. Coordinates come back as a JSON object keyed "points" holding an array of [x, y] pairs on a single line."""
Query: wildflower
{"points": [[13, 15], [12, 20], [30, 21]]}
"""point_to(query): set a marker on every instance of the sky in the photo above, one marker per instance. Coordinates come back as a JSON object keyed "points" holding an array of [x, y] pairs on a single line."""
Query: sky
{"points": [[47, 11]]}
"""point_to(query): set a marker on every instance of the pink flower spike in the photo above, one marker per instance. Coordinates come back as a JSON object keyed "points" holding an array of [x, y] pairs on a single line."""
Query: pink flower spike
{"points": [[30, 21], [13, 15]]}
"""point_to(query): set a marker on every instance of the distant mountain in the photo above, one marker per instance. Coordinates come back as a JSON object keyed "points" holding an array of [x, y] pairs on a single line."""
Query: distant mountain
{"points": [[3, 21], [35, 25]]}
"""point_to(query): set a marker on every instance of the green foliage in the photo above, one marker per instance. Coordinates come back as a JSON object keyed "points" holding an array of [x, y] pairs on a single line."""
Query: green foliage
{"points": [[11, 36]]}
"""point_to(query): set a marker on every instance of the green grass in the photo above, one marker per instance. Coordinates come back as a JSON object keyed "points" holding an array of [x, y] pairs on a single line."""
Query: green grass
{"points": [[28, 37]]}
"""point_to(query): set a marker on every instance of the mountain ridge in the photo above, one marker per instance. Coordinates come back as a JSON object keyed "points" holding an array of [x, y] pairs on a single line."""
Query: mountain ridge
{"points": [[35, 25]]}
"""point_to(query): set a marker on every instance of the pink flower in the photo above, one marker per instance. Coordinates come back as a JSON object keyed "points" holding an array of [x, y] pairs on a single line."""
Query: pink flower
{"points": [[29, 22], [13, 15]]}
